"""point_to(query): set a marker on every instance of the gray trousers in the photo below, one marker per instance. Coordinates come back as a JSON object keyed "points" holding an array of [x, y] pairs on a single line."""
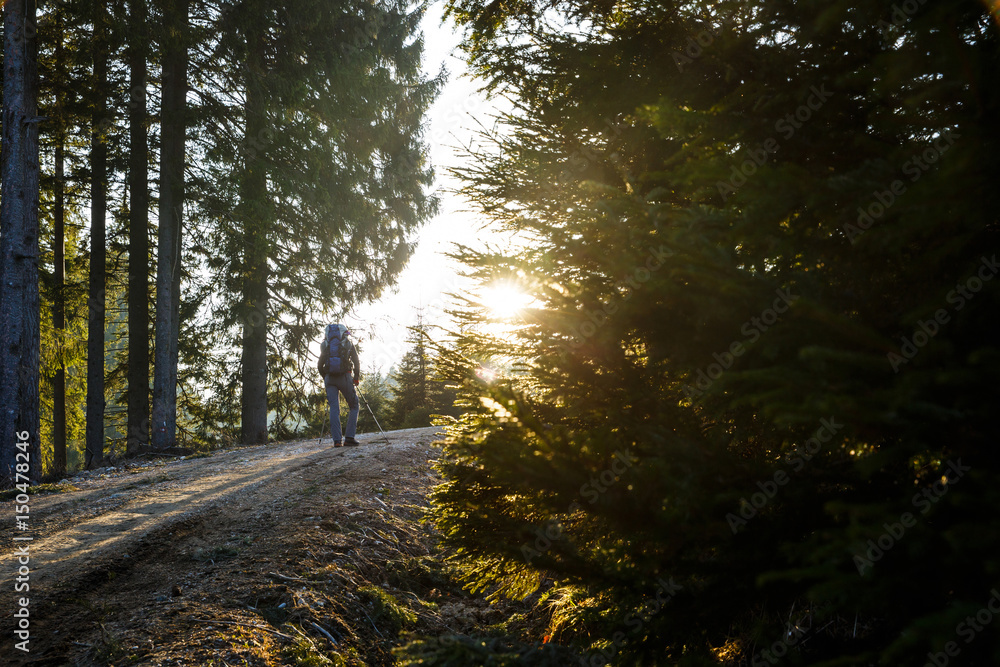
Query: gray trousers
{"points": [[342, 383]]}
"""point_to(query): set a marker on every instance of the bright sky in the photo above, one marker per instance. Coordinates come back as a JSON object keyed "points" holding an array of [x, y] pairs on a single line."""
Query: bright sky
{"points": [[381, 328]]}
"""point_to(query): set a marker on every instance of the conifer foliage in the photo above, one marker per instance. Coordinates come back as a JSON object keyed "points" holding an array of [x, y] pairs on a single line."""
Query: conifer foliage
{"points": [[330, 174], [752, 404], [418, 390], [292, 177]]}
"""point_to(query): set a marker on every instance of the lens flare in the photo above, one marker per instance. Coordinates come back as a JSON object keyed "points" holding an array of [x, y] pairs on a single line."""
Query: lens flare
{"points": [[505, 300]]}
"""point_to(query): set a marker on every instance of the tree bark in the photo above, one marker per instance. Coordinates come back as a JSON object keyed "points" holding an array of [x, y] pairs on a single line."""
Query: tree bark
{"points": [[19, 299], [253, 200], [59, 299], [138, 244], [94, 454], [171, 209], [59, 269]]}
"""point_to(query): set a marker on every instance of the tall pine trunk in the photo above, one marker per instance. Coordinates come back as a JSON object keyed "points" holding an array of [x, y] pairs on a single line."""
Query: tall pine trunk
{"points": [[168, 269], [98, 252], [138, 238], [59, 300], [19, 300], [254, 204], [59, 269], [59, 257]]}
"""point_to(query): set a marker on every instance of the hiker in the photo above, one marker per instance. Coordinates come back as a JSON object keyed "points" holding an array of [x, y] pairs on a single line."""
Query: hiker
{"points": [[337, 358]]}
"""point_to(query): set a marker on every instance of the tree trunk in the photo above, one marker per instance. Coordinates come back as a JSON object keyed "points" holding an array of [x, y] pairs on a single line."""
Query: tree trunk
{"points": [[253, 200], [98, 252], [168, 270], [59, 300], [138, 238], [19, 300]]}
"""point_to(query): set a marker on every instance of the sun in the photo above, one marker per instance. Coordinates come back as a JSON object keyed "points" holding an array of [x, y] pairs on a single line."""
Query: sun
{"points": [[505, 300]]}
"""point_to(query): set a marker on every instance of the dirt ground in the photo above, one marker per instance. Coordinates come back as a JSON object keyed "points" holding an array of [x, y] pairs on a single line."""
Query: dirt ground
{"points": [[286, 554]]}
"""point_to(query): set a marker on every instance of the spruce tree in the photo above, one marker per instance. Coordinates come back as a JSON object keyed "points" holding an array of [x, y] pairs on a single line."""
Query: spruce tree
{"points": [[754, 394], [20, 450], [173, 119], [375, 408], [418, 391], [64, 59], [100, 127], [411, 380], [323, 105], [138, 429], [58, 76]]}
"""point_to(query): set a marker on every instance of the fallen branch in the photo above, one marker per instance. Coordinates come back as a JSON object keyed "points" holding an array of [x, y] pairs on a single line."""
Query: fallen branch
{"points": [[295, 579], [372, 622], [324, 632], [305, 637]]}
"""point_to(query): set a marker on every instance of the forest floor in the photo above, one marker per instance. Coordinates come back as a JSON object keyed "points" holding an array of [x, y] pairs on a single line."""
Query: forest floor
{"points": [[293, 553]]}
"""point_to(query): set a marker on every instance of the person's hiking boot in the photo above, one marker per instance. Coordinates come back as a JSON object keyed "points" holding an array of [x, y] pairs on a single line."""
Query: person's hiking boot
{"points": [[338, 443], [350, 442]]}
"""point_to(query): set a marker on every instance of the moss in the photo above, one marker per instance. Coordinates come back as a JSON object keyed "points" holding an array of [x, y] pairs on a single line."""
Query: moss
{"points": [[304, 654], [508, 627], [215, 554], [466, 651], [39, 489], [387, 612]]}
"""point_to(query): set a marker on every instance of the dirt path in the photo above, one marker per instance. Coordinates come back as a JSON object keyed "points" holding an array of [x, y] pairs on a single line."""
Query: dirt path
{"points": [[166, 563]]}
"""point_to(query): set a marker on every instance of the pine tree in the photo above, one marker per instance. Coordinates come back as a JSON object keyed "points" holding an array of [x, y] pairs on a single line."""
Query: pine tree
{"points": [[58, 291], [63, 60], [329, 185], [171, 213], [411, 382], [323, 104], [20, 449], [97, 302], [256, 215], [753, 231], [375, 408], [138, 429], [418, 392]]}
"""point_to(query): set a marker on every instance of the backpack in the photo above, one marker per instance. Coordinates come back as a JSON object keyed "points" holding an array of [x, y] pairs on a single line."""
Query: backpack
{"points": [[337, 348]]}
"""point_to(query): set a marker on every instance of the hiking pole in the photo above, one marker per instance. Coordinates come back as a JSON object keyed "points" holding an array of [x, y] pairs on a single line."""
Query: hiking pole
{"points": [[326, 415], [326, 418], [373, 415]]}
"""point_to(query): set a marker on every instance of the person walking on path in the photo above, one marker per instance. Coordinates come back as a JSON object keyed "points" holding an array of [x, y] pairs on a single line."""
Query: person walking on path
{"points": [[341, 370]]}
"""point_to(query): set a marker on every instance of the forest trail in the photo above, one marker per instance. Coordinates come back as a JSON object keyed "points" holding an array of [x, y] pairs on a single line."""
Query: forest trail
{"points": [[167, 562]]}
